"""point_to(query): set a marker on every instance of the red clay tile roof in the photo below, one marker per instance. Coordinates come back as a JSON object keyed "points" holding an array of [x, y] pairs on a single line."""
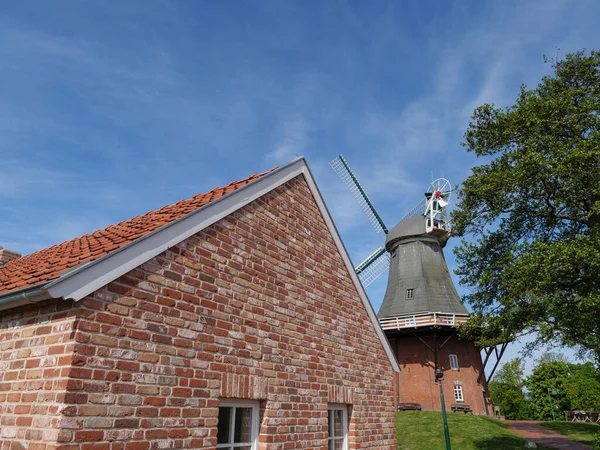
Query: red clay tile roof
{"points": [[50, 263]]}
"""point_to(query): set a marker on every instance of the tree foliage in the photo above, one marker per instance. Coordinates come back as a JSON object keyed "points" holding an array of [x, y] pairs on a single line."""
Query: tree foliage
{"points": [[531, 212], [506, 391], [582, 387], [553, 384], [546, 389]]}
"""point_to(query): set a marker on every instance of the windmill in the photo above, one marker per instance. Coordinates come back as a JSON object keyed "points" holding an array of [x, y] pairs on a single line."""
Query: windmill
{"points": [[421, 306]]}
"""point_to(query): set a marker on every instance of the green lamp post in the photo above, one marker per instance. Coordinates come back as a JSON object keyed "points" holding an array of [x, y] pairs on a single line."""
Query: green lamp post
{"points": [[552, 394], [439, 374]]}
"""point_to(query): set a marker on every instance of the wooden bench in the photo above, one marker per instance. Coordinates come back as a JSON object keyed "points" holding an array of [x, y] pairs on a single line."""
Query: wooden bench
{"points": [[409, 407], [582, 416], [461, 407]]}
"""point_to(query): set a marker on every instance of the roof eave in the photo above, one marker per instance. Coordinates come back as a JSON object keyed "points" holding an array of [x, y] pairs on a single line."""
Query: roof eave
{"points": [[24, 297], [34, 294], [79, 282]]}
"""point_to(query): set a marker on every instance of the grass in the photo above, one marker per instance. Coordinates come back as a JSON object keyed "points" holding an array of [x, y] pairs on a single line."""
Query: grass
{"points": [[577, 431], [424, 431]]}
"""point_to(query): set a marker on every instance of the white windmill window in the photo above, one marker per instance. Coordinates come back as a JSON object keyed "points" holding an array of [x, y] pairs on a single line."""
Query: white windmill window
{"points": [[454, 362], [410, 294], [337, 416], [410, 321], [458, 392], [238, 425]]}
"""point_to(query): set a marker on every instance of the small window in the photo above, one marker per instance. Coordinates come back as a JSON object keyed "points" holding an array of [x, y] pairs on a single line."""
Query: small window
{"points": [[238, 425], [410, 321], [454, 362], [448, 320], [458, 392], [338, 427], [410, 294]]}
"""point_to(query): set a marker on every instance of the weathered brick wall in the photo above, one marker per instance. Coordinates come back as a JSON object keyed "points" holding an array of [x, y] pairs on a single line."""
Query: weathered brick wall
{"points": [[257, 306], [36, 361], [417, 373]]}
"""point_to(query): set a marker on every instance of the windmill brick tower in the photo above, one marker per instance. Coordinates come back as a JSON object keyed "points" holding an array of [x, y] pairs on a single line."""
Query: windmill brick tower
{"points": [[421, 310]]}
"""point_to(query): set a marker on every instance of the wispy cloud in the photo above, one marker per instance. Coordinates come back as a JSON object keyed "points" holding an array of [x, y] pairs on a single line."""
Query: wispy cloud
{"points": [[18, 182], [293, 141]]}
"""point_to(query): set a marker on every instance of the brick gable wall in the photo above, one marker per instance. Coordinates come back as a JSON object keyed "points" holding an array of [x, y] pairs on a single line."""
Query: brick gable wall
{"points": [[257, 306]]}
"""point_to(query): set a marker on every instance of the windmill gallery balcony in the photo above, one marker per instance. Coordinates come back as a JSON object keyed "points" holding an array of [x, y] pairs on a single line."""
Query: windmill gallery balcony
{"points": [[422, 320]]}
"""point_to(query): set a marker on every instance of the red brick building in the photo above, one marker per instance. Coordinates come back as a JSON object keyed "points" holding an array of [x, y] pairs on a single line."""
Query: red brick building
{"points": [[231, 317]]}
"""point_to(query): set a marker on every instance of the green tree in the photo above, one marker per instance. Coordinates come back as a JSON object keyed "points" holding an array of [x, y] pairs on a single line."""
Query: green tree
{"points": [[546, 389], [582, 388], [506, 391], [531, 212]]}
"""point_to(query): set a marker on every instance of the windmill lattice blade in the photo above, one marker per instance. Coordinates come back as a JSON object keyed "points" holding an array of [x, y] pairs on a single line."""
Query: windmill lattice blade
{"points": [[374, 269], [418, 210], [341, 168], [371, 258]]}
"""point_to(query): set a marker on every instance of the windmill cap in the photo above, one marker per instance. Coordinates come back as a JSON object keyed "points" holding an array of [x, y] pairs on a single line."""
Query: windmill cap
{"points": [[412, 227]]}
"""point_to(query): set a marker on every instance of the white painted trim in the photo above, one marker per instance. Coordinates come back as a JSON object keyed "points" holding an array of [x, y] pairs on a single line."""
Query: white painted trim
{"points": [[89, 277], [459, 395], [255, 406], [453, 358], [345, 422], [344, 253]]}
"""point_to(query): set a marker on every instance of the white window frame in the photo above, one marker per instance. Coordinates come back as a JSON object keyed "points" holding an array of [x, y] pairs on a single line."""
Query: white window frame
{"points": [[255, 422], [454, 362], [458, 393], [344, 409], [410, 293], [410, 321]]}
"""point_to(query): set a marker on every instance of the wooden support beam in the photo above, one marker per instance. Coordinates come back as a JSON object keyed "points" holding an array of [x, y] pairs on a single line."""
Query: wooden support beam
{"points": [[444, 343], [503, 347], [488, 353], [424, 343]]}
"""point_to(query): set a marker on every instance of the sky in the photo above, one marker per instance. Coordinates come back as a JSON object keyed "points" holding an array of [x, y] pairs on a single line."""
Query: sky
{"points": [[111, 109]]}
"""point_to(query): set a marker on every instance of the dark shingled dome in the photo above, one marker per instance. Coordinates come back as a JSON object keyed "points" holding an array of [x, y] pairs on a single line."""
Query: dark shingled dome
{"points": [[418, 263]]}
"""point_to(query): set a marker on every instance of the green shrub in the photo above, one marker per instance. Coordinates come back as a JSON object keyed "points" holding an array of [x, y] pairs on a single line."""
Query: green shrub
{"points": [[597, 441]]}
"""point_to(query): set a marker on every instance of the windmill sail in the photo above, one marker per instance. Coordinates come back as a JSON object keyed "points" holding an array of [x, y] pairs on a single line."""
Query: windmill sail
{"points": [[372, 267], [418, 210], [342, 169]]}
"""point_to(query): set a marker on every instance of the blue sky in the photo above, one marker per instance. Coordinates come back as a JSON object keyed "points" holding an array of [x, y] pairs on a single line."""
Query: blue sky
{"points": [[110, 109]]}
